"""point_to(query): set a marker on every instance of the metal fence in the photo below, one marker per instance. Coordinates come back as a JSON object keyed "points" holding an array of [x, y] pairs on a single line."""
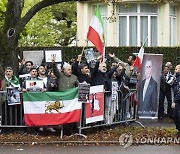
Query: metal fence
{"points": [[121, 110], [10, 115]]}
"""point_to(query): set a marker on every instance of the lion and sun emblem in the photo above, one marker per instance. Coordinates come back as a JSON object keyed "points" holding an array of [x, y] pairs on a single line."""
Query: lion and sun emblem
{"points": [[57, 105]]}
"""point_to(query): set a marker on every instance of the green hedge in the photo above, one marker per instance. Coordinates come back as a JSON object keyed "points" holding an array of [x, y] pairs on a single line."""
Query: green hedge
{"points": [[169, 53]]}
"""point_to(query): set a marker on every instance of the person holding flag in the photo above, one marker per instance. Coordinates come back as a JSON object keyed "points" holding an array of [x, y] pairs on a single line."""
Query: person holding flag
{"points": [[96, 32]]}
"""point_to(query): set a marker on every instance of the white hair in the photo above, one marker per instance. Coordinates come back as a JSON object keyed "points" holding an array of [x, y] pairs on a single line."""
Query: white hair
{"points": [[66, 65]]}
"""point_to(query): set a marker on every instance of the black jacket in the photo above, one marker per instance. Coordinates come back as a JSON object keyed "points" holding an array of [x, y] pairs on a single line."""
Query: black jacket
{"points": [[101, 78], [176, 88], [81, 77], [164, 86]]}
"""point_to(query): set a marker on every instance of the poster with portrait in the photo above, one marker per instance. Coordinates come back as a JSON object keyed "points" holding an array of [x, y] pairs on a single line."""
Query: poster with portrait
{"points": [[95, 104], [53, 54], [89, 55], [149, 85], [13, 96]]}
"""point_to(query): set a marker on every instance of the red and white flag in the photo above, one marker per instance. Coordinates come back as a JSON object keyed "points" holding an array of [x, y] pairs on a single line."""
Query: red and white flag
{"points": [[137, 63], [51, 108], [96, 32]]}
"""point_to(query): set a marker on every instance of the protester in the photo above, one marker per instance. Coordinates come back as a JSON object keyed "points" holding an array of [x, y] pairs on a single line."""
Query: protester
{"points": [[8, 112], [10, 80], [65, 78], [53, 84], [81, 70], [165, 91], [49, 83], [128, 66], [176, 99], [25, 67], [170, 66], [33, 76]]}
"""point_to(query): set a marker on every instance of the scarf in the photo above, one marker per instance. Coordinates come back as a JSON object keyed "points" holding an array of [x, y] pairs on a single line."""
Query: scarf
{"points": [[14, 82]]}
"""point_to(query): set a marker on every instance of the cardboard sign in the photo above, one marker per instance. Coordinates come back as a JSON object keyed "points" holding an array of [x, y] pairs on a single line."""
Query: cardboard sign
{"points": [[53, 54], [83, 93], [13, 96], [34, 85]]}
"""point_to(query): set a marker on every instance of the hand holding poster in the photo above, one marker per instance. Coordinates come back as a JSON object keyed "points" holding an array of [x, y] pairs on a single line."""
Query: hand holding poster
{"points": [[34, 85], [53, 54], [89, 55], [83, 92]]}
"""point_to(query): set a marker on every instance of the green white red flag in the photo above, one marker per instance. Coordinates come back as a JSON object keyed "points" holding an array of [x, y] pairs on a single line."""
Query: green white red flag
{"points": [[96, 32], [138, 62], [51, 108]]}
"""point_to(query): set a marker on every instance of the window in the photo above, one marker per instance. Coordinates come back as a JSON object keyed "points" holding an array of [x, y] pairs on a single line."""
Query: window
{"points": [[136, 22], [172, 20]]}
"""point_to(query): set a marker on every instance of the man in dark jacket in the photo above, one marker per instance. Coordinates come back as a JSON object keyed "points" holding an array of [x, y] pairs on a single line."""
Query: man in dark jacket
{"points": [[176, 100], [165, 91], [81, 70], [100, 76]]}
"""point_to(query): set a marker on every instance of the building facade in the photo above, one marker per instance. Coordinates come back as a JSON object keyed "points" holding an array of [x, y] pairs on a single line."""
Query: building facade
{"points": [[136, 20]]}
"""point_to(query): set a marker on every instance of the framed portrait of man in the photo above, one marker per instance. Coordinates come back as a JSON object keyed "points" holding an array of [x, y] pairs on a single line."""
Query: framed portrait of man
{"points": [[149, 84]]}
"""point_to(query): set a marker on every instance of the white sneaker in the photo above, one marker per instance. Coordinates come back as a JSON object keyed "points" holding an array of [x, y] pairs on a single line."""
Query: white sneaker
{"points": [[128, 115], [41, 129], [51, 129]]}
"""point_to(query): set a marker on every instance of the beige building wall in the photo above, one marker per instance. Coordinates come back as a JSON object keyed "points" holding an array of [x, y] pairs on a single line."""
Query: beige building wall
{"points": [[163, 27], [85, 13], [178, 27]]}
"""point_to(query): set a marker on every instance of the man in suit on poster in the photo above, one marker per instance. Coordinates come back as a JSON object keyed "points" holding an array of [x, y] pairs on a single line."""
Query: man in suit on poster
{"points": [[148, 93]]}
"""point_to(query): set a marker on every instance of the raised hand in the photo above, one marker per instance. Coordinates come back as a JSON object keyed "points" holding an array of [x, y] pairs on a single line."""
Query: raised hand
{"points": [[53, 59], [99, 58], [79, 57], [111, 55]]}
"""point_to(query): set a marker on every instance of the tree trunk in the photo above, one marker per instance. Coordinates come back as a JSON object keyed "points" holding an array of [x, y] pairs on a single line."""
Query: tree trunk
{"points": [[9, 37], [13, 25]]}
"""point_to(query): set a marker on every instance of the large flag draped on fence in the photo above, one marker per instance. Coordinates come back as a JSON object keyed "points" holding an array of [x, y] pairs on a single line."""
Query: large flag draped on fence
{"points": [[51, 108], [96, 32]]}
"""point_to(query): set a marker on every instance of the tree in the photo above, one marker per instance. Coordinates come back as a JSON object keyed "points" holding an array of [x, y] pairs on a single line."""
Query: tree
{"points": [[65, 22], [53, 25], [13, 24]]}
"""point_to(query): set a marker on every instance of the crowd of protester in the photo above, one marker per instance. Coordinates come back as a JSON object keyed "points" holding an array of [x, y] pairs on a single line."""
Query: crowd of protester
{"points": [[79, 71]]}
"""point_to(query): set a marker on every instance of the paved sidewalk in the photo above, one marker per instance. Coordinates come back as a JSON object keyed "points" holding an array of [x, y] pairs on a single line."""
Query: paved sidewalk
{"points": [[165, 122]]}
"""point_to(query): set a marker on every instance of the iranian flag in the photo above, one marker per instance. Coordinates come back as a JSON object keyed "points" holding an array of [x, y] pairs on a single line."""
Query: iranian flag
{"points": [[137, 63], [51, 108], [96, 32]]}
